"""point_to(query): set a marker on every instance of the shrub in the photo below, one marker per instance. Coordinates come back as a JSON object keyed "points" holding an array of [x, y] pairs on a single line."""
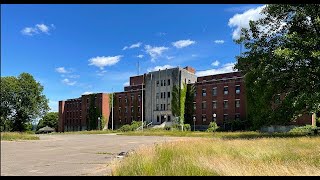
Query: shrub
{"points": [[304, 129], [125, 128], [187, 127], [212, 127], [135, 125]]}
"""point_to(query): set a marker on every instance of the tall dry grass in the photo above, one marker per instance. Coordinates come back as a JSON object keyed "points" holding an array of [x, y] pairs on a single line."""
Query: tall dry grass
{"points": [[215, 156], [12, 136]]}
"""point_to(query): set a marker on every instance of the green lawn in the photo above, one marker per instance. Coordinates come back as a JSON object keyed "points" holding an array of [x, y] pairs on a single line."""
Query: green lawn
{"points": [[12, 136], [225, 157]]}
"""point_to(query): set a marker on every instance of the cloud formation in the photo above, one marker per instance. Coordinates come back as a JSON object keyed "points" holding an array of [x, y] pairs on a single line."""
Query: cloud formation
{"points": [[102, 61], [224, 69], [183, 43]]}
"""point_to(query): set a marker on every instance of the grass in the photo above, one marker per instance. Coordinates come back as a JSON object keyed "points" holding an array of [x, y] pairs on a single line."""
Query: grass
{"points": [[225, 157], [225, 135], [12, 136], [88, 132]]}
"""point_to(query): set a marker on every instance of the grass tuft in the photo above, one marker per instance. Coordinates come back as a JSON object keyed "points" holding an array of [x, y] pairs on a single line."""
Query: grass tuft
{"points": [[13, 136]]}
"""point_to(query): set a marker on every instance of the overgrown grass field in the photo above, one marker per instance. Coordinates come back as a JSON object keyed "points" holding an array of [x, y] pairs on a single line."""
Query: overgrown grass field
{"points": [[12, 136], [225, 157]]}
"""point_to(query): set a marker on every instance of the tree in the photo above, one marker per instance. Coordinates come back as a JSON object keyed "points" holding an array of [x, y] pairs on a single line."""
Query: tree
{"points": [[282, 57], [178, 102], [51, 119], [21, 101], [189, 109]]}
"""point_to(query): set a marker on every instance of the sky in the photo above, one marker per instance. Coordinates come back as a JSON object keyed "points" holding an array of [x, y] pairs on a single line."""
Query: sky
{"points": [[78, 49]]}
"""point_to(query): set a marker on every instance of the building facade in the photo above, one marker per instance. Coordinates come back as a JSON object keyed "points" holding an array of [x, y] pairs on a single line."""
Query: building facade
{"points": [[74, 113], [128, 104], [219, 98], [158, 92]]}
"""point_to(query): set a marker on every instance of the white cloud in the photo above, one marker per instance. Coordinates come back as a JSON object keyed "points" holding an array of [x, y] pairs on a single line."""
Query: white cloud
{"points": [[102, 61], [170, 57], [155, 52], [239, 21], [43, 28], [37, 29], [219, 41], [215, 63], [53, 106], [136, 45], [224, 69], [87, 92], [183, 43], [126, 84], [29, 31], [61, 70], [68, 82], [160, 67], [140, 56], [101, 73]]}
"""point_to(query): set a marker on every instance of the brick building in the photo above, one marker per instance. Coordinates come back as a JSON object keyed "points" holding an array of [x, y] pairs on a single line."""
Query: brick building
{"points": [[220, 98], [73, 113], [128, 104]]}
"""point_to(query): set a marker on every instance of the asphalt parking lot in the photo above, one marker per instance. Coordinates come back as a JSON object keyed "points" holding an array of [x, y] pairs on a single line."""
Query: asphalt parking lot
{"points": [[68, 155]]}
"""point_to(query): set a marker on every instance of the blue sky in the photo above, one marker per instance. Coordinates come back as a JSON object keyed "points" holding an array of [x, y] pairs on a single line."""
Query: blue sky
{"points": [[76, 49]]}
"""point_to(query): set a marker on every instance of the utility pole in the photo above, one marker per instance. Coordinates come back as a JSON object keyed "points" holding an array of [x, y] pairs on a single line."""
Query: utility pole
{"points": [[142, 103], [112, 110]]}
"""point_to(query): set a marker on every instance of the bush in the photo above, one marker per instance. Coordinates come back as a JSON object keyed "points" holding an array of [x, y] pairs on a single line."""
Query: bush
{"points": [[304, 129], [125, 128], [187, 127], [212, 127]]}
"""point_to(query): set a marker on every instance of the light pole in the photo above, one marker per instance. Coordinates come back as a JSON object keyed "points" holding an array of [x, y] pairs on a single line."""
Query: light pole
{"points": [[194, 123], [99, 123]]}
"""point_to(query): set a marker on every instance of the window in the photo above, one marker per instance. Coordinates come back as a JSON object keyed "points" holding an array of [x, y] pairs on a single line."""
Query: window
{"points": [[189, 81], [161, 107], [237, 103], [126, 110], [225, 90], [169, 118], [161, 83], [214, 91], [119, 100], [204, 118], [164, 94], [214, 117], [204, 92], [119, 110], [139, 97], [157, 83], [161, 95], [164, 82], [157, 107], [225, 117], [237, 117], [214, 104], [164, 106], [132, 109], [131, 118], [204, 105], [158, 119], [125, 120], [87, 100], [132, 97], [194, 106], [157, 96], [168, 94], [126, 100], [225, 104], [168, 82], [237, 89]]}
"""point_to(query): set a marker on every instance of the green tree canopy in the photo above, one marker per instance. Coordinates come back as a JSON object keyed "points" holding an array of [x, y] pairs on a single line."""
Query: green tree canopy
{"points": [[21, 101], [282, 56], [51, 119]]}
